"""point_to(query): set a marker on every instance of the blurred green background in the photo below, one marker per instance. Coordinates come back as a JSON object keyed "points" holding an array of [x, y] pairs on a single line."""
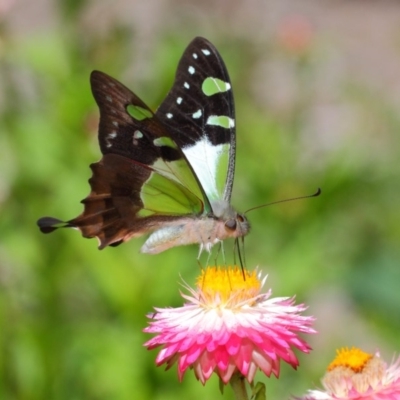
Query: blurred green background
{"points": [[317, 92]]}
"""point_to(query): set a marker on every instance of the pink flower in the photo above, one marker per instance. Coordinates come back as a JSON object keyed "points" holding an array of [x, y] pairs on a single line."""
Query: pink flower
{"points": [[227, 326], [355, 375]]}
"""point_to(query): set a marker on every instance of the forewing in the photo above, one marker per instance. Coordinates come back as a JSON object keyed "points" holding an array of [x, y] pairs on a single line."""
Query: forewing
{"points": [[200, 115]]}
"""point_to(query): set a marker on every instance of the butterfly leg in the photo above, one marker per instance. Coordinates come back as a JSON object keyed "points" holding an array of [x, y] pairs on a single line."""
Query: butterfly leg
{"points": [[217, 253], [234, 251], [221, 247], [243, 251], [208, 258], [201, 251], [199, 264], [201, 248], [237, 246]]}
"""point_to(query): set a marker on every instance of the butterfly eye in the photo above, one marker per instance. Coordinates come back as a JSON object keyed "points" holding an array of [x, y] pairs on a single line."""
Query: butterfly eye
{"points": [[231, 224]]}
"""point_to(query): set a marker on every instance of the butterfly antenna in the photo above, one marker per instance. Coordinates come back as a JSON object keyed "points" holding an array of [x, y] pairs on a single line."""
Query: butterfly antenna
{"points": [[316, 194]]}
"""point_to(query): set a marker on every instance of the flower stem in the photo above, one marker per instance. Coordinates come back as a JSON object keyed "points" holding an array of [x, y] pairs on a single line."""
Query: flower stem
{"points": [[238, 385]]}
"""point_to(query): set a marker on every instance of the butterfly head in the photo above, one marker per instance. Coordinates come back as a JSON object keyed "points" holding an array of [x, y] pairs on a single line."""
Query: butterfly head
{"points": [[235, 224], [238, 225]]}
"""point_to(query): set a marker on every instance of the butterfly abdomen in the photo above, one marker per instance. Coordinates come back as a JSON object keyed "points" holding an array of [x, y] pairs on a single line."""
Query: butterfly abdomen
{"points": [[206, 231]]}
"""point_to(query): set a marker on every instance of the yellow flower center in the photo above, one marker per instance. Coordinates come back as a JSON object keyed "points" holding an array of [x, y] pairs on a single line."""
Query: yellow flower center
{"points": [[353, 358], [353, 371], [231, 284]]}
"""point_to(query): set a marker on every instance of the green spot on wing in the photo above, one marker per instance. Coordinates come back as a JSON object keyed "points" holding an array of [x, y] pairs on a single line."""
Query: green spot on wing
{"points": [[212, 86], [221, 120], [139, 113], [165, 141]]}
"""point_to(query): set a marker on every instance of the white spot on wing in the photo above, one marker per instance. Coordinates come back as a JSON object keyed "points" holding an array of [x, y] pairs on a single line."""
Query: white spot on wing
{"points": [[136, 135], [169, 115], [179, 100], [204, 159], [191, 70], [206, 52], [110, 136], [115, 123], [186, 85], [194, 56], [197, 114], [109, 98]]}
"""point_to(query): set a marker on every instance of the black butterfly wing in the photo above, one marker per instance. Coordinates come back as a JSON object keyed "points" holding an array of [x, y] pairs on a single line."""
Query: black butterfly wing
{"points": [[200, 115]]}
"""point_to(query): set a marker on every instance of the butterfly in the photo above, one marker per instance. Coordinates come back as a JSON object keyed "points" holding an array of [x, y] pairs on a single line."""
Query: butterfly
{"points": [[168, 173]]}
